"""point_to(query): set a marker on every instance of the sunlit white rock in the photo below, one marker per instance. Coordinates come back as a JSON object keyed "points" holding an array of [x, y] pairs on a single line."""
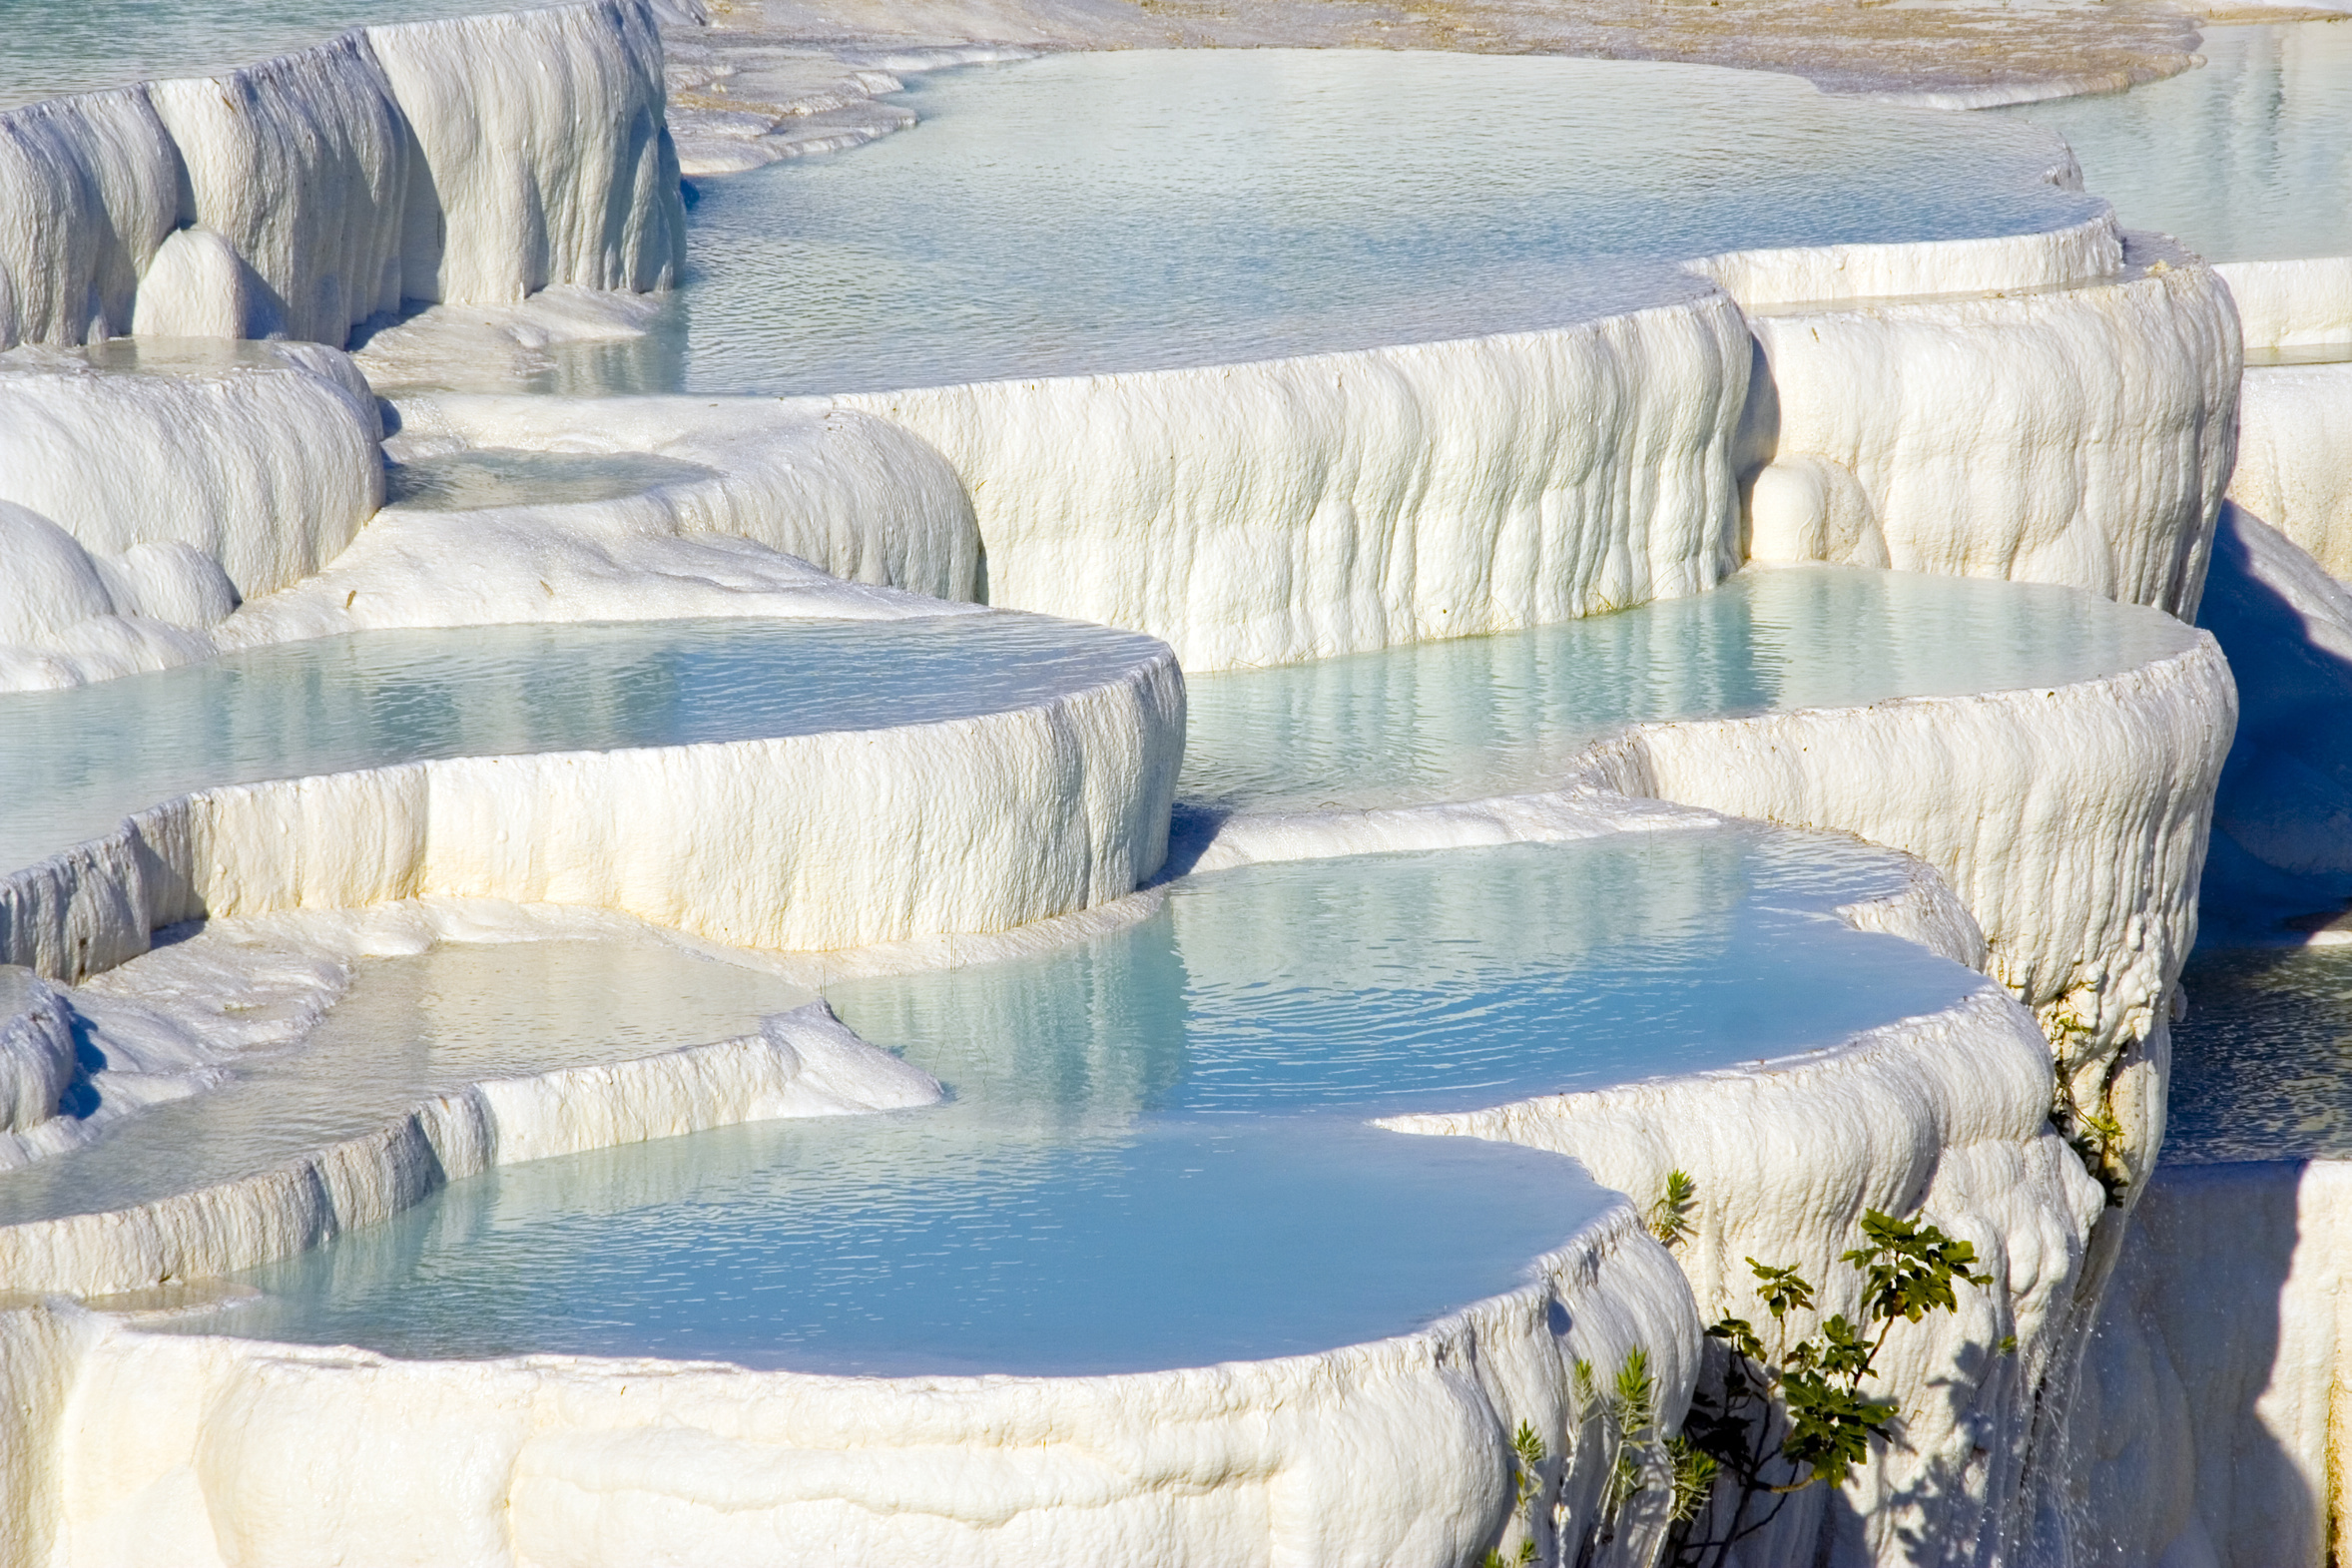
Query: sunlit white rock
{"points": [[472, 159], [1299, 508], [251, 468], [2080, 436], [2294, 456]]}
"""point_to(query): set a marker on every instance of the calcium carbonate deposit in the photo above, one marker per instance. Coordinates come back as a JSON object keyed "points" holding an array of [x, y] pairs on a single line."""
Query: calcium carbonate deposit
{"points": [[960, 785]]}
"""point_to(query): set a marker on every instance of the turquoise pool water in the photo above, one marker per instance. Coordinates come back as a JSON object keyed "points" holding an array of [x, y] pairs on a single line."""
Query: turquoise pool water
{"points": [[77, 761], [2246, 158], [1156, 1152], [1234, 204], [1489, 715], [409, 1028]]}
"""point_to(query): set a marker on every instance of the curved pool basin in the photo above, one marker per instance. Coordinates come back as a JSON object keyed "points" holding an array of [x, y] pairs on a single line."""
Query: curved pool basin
{"points": [[79, 760], [409, 1028], [1154, 1155], [1490, 715]]}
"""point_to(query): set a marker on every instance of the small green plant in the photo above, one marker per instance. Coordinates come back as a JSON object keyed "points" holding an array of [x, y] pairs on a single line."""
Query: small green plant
{"points": [[1526, 1454], [1670, 1219], [2093, 1132], [1788, 1415]]}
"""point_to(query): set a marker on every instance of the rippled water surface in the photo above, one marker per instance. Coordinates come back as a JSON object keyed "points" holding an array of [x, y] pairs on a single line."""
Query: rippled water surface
{"points": [[1155, 1155], [2247, 159], [2262, 1064], [76, 761]]}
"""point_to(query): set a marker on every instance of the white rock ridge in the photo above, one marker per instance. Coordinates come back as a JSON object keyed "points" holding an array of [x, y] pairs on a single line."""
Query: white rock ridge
{"points": [[1948, 1115], [2081, 435], [1270, 512], [139, 505], [472, 159], [803, 842], [2294, 456]]}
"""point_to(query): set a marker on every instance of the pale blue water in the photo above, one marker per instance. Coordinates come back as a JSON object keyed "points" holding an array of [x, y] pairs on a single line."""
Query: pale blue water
{"points": [[1486, 715], [1233, 205], [501, 477], [47, 49], [1155, 1154], [408, 1030], [76, 761], [2246, 158]]}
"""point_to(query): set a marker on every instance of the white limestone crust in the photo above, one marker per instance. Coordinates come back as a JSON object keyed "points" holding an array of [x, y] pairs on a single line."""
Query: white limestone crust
{"points": [[2294, 456], [2293, 305], [2081, 436], [470, 160], [1945, 1114], [196, 477], [837, 840], [1299, 508], [1388, 1452]]}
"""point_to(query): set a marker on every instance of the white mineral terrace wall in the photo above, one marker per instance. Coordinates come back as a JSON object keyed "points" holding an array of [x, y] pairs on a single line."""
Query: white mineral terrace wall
{"points": [[2072, 824], [145, 1447], [2071, 821], [136, 500], [2210, 1428], [251, 473], [1948, 1115], [2080, 435], [2294, 460], [1299, 508], [472, 159], [2293, 305], [2079, 431], [803, 842]]}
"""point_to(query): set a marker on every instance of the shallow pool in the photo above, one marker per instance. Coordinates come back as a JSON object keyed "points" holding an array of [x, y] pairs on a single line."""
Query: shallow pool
{"points": [[1489, 715], [407, 1029], [1155, 1155], [1139, 210], [76, 761], [498, 476], [2246, 158]]}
